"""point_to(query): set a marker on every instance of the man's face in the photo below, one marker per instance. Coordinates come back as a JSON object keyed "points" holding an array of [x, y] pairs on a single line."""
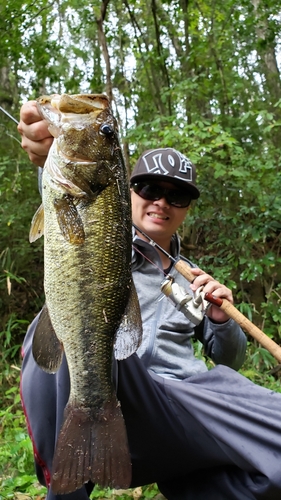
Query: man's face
{"points": [[157, 218]]}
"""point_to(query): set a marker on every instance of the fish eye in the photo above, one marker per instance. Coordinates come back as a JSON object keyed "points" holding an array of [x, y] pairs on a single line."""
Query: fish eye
{"points": [[106, 130]]}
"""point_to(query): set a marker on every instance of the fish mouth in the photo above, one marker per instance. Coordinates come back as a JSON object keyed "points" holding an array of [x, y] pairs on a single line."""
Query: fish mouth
{"points": [[78, 159], [157, 216], [80, 103]]}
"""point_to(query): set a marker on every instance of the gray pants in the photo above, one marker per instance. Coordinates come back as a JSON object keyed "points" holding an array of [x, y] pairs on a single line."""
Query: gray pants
{"points": [[243, 419], [214, 436]]}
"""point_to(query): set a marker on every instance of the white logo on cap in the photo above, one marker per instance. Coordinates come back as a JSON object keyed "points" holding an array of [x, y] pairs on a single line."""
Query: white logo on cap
{"points": [[171, 160], [159, 167], [185, 164]]}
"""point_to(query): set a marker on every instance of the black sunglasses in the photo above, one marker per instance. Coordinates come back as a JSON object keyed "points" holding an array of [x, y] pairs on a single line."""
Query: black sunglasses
{"points": [[154, 192]]}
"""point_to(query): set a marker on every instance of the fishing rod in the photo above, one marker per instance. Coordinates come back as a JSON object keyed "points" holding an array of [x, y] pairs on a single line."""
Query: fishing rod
{"points": [[183, 268], [13, 119], [40, 169], [8, 114]]}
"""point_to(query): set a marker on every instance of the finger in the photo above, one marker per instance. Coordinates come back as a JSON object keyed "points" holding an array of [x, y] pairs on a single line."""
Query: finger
{"points": [[37, 150], [35, 131], [29, 113], [197, 271], [218, 290], [210, 285], [201, 279], [31, 123]]}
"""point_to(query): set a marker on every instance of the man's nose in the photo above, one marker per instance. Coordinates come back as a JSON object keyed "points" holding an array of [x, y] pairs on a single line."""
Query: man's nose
{"points": [[162, 202]]}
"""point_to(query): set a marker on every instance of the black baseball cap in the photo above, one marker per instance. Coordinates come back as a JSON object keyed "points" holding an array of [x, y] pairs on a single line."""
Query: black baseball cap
{"points": [[166, 164]]}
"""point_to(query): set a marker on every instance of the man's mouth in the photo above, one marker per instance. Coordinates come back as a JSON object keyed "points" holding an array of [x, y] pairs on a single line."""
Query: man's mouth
{"points": [[157, 216]]}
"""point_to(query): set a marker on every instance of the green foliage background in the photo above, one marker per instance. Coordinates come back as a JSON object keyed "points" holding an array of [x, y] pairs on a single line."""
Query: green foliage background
{"points": [[200, 76]]}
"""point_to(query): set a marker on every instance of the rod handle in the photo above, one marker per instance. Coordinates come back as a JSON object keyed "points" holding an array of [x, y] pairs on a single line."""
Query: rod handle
{"points": [[246, 325], [184, 269]]}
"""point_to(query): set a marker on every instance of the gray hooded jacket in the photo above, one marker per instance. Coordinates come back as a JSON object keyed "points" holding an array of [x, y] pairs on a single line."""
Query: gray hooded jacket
{"points": [[167, 348]]}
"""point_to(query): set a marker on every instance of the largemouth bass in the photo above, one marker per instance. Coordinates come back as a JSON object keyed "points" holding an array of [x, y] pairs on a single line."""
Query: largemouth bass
{"points": [[91, 306]]}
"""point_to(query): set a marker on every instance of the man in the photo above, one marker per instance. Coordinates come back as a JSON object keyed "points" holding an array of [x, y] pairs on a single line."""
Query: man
{"points": [[199, 434]]}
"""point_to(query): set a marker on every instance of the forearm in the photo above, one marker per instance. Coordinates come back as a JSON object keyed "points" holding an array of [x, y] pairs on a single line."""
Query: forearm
{"points": [[225, 343]]}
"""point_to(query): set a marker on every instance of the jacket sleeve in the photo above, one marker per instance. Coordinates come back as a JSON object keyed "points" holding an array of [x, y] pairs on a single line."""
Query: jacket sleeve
{"points": [[224, 343]]}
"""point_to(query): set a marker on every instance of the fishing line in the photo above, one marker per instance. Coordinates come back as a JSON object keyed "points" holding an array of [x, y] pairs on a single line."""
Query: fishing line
{"points": [[151, 261], [162, 295]]}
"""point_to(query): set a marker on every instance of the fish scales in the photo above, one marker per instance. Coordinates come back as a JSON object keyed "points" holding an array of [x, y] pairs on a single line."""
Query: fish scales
{"points": [[95, 303], [91, 304]]}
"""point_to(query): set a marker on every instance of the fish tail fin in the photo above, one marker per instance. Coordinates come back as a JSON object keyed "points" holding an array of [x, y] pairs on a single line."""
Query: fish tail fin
{"points": [[92, 448]]}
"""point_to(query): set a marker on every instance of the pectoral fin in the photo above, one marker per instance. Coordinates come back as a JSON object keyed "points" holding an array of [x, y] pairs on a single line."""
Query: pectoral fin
{"points": [[37, 225], [46, 348], [129, 334], [69, 220]]}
